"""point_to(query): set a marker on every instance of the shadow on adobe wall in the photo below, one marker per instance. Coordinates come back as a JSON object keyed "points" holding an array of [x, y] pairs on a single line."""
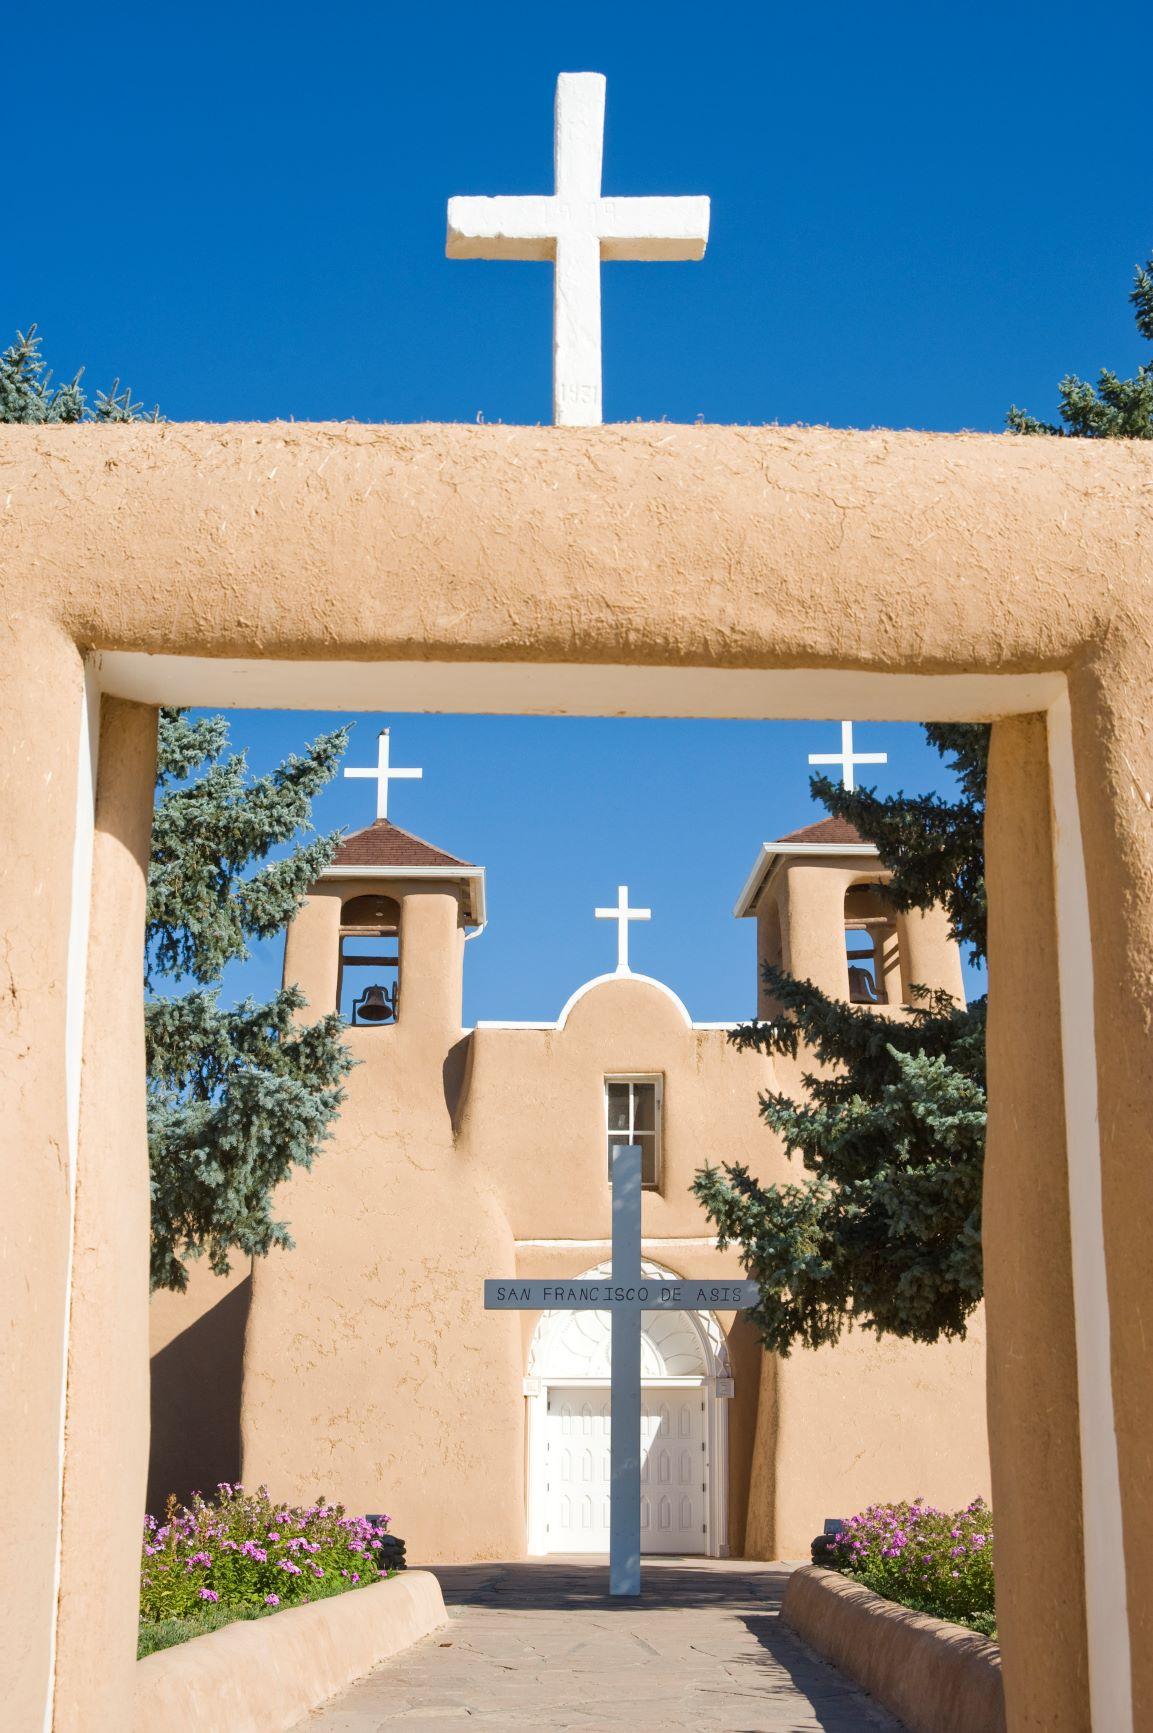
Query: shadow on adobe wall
{"points": [[196, 1382]]}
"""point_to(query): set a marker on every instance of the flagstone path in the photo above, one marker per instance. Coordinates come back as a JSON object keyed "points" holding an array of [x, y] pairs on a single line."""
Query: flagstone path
{"points": [[540, 1645]]}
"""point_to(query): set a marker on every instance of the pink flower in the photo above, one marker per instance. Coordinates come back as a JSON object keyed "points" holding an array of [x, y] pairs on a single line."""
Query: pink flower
{"points": [[272, 1600], [208, 1594]]}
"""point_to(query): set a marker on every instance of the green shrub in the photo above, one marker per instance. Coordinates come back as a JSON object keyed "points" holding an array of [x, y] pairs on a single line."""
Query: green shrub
{"points": [[244, 1553]]}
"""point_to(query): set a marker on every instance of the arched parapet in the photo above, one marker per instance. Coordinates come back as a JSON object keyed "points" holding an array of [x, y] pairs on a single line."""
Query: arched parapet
{"points": [[574, 999]]}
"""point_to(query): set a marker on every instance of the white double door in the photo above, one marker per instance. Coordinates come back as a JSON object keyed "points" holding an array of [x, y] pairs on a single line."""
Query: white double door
{"points": [[674, 1469]]}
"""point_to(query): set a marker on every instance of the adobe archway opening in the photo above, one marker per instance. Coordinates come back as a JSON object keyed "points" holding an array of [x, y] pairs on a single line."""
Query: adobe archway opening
{"points": [[631, 570]]}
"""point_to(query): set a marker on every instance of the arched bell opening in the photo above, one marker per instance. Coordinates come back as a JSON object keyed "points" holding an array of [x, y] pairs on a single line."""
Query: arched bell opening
{"points": [[872, 946], [368, 972], [686, 1381]]}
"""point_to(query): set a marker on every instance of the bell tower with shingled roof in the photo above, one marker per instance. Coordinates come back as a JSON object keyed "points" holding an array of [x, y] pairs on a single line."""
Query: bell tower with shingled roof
{"points": [[818, 896], [381, 936]]}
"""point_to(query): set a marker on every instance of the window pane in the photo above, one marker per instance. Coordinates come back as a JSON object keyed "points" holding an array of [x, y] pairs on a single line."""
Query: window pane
{"points": [[618, 1096], [644, 1107]]}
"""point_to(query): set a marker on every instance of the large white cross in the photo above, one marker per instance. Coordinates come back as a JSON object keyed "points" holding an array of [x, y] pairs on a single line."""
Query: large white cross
{"points": [[622, 915], [847, 758], [577, 228], [385, 774], [624, 1296]]}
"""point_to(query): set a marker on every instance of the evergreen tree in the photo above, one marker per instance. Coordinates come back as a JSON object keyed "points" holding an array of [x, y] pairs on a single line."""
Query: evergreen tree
{"points": [[28, 395], [1113, 408], [884, 1229], [236, 1098]]}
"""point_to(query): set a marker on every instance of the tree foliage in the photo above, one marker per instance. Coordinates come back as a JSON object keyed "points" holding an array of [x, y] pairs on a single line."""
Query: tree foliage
{"points": [[1114, 408], [28, 394], [883, 1231], [237, 1097]]}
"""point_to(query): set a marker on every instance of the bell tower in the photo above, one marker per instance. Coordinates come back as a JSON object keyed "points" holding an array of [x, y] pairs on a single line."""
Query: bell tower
{"points": [[381, 936], [818, 897]]}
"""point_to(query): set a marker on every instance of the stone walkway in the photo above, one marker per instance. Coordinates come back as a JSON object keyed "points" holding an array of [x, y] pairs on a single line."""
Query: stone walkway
{"points": [[540, 1645]]}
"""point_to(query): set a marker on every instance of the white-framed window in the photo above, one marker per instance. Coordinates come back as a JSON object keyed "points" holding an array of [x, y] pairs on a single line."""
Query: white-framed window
{"points": [[633, 1106]]}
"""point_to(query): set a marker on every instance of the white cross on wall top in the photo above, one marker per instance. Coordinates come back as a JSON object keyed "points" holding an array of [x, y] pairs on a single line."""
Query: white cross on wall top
{"points": [[385, 774], [847, 758], [577, 228], [622, 915]]}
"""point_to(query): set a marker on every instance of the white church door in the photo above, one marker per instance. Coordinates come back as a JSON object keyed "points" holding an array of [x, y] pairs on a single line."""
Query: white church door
{"points": [[685, 1380], [674, 1485]]}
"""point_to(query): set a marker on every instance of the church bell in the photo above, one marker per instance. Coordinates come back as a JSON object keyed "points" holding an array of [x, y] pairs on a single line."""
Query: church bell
{"points": [[374, 1006]]}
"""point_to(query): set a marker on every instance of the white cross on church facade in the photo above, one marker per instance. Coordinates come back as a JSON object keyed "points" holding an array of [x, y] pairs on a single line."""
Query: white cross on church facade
{"points": [[622, 915], [624, 1296], [577, 228], [847, 758], [384, 774]]}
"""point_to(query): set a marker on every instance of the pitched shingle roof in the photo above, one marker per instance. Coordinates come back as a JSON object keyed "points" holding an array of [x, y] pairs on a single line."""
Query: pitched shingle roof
{"points": [[828, 830], [384, 844]]}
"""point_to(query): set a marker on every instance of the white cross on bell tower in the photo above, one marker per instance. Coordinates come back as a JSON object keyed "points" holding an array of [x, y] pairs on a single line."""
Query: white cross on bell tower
{"points": [[847, 758], [384, 774], [577, 228], [622, 915]]}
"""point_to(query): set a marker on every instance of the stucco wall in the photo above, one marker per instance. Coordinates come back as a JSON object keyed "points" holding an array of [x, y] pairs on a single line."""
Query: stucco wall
{"points": [[868, 1421], [196, 1349]]}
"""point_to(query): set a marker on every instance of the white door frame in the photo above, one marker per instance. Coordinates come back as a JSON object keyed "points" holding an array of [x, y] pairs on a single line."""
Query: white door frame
{"points": [[717, 1389]]}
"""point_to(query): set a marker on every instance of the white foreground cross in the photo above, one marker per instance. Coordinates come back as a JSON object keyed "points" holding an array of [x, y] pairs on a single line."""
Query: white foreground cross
{"points": [[622, 915], [577, 228], [847, 758], [384, 774], [624, 1296]]}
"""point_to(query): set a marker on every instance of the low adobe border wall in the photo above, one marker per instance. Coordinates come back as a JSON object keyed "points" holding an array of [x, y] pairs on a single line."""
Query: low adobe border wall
{"points": [[935, 1677], [264, 1675]]}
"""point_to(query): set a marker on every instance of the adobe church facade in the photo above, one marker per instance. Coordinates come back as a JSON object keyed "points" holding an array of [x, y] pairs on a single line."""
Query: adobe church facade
{"points": [[369, 1370]]}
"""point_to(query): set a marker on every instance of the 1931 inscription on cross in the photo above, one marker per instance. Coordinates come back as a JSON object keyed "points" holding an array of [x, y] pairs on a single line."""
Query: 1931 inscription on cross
{"points": [[624, 1295]]}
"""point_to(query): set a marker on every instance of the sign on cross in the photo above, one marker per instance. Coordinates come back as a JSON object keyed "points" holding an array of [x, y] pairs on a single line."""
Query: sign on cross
{"points": [[624, 1295], [577, 228]]}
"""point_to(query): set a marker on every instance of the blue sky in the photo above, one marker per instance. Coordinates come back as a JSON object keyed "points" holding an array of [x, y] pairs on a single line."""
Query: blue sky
{"points": [[919, 215]]}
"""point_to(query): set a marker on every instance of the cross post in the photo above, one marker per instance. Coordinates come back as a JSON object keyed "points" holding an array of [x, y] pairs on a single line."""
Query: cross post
{"points": [[626, 1295], [625, 1380], [576, 228], [384, 774], [622, 915], [847, 758]]}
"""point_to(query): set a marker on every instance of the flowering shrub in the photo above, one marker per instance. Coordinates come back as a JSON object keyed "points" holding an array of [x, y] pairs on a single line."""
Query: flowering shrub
{"points": [[246, 1552], [925, 1558]]}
